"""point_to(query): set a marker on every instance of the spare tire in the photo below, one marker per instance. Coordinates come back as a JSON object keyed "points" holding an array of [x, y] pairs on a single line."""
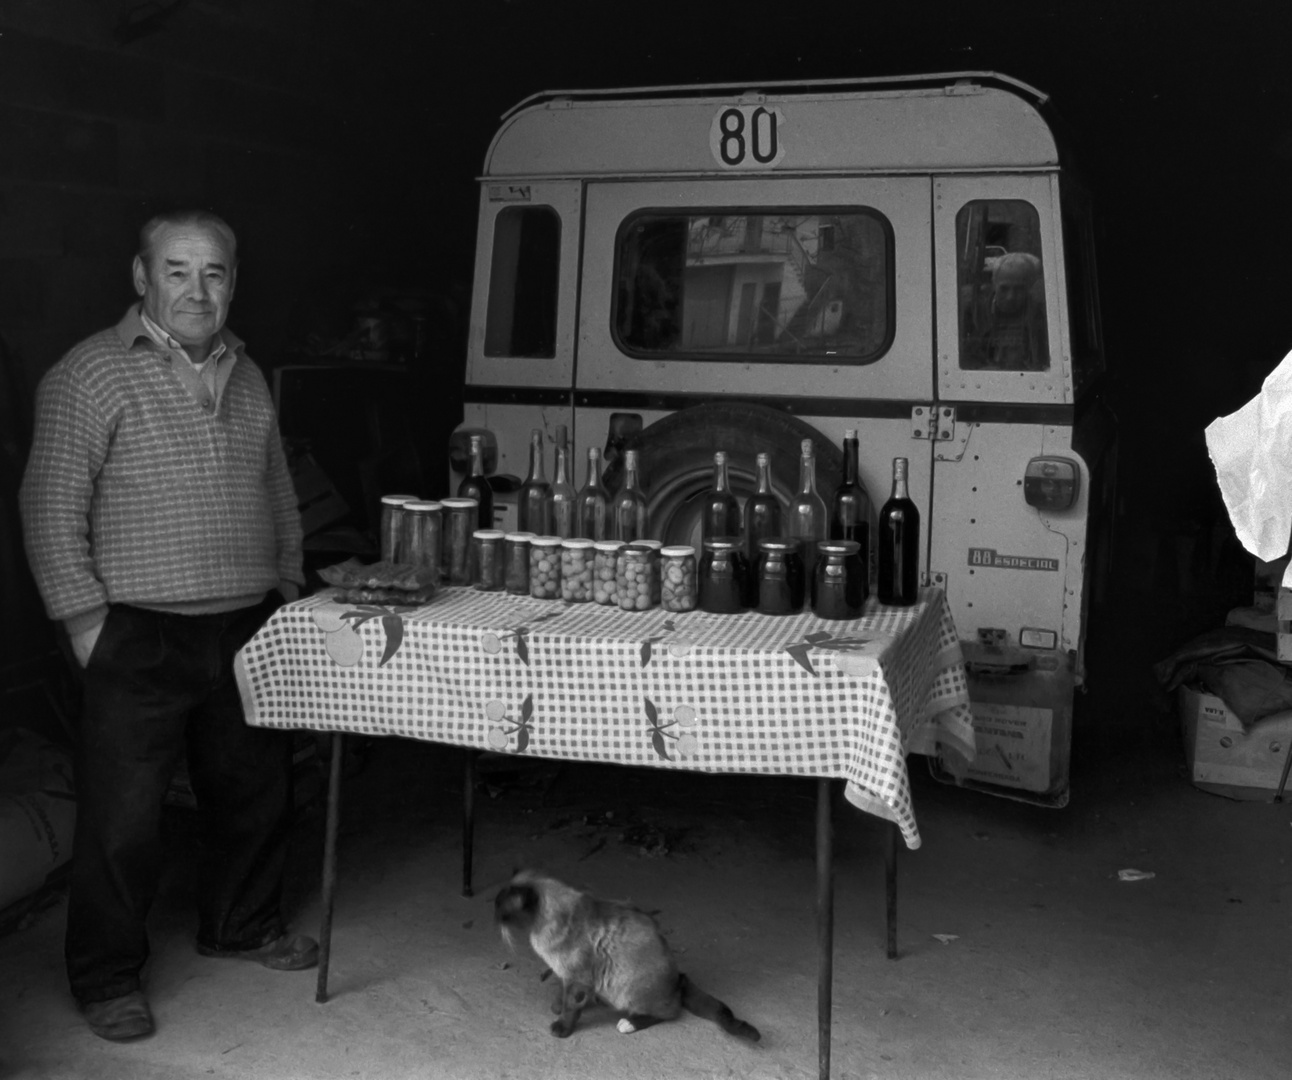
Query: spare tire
{"points": [[676, 460]]}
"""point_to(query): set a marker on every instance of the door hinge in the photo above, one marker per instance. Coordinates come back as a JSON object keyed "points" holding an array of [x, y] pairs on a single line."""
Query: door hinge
{"points": [[934, 422]]}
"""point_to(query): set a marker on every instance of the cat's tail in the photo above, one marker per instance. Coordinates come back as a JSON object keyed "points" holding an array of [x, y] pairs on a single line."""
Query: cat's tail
{"points": [[710, 1008]]}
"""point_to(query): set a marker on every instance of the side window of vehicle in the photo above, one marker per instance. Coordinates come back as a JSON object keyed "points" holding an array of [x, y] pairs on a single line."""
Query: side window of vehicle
{"points": [[521, 320], [1000, 279], [815, 286]]}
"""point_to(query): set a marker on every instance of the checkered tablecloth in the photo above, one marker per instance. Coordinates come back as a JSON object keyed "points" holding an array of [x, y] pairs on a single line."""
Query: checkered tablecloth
{"points": [[750, 693]]}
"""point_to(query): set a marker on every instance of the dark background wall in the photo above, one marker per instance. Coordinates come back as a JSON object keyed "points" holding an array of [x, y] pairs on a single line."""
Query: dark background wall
{"points": [[341, 139]]}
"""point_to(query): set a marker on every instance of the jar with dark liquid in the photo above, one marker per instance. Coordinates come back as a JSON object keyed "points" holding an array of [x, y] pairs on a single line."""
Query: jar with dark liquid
{"points": [[461, 517], [838, 585], [723, 576], [487, 556], [515, 557], [780, 576]]}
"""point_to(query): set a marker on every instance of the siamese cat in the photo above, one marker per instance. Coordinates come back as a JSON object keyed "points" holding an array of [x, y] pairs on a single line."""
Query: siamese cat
{"points": [[603, 950]]}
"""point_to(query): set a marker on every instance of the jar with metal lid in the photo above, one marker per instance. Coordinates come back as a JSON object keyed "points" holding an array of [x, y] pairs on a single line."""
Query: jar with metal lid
{"points": [[605, 588], [488, 559], [723, 576], [460, 521], [677, 578], [545, 567], [636, 575], [576, 570], [655, 547], [780, 575], [421, 526], [394, 544], [838, 582], [515, 557]]}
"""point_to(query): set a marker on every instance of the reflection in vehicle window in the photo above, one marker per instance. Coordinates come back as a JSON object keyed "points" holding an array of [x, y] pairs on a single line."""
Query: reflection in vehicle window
{"points": [[521, 319], [779, 285], [1001, 284]]}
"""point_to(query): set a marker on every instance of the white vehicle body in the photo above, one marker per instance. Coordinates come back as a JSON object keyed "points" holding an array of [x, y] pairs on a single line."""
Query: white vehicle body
{"points": [[830, 252]]}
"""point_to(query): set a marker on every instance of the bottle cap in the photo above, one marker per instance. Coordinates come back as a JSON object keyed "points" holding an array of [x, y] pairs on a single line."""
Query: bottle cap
{"points": [[577, 543], [806, 446], [779, 543], [517, 537], [488, 534], [723, 543], [608, 545], [398, 500], [459, 503], [545, 541], [654, 545], [851, 433], [678, 551], [838, 547], [418, 507]]}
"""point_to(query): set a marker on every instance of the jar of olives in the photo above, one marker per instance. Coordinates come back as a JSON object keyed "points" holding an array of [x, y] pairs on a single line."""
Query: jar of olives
{"points": [[545, 567], [605, 589], [576, 570], [677, 578], [636, 575]]}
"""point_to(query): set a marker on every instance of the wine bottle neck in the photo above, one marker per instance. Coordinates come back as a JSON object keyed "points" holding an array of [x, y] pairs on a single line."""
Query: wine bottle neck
{"points": [[899, 478], [807, 475], [850, 467]]}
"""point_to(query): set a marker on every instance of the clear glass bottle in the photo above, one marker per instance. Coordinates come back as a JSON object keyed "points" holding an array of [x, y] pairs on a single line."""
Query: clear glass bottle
{"points": [[561, 504], [592, 505], [533, 509], [475, 485], [850, 507], [898, 540], [628, 511], [721, 507], [807, 517], [763, 511]]}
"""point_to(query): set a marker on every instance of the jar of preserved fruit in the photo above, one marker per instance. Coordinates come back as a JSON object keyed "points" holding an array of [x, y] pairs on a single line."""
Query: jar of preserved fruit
{"points": [[838, 590], [723, 576], [576, 570], [605, 588], [394, 532], [422, 525], [677, 578], [488, 559], [780, 575], [636, 575], [515, 557], [655, 547], [460, 521], [545, 567]]}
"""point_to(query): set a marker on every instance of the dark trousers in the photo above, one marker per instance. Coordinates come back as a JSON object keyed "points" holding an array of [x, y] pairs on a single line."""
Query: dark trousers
{"points": [[157, 685]]}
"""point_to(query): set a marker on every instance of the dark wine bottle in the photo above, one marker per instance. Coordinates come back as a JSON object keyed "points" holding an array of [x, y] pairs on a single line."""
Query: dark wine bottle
{"points": [[532, 511], [899, 544], [762, 511], [592, 506], [721, 507], [807, 518], [850, 508], [475, 485]]}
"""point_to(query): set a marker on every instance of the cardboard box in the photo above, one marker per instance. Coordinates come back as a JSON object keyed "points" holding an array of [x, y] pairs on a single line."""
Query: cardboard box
{"points": [[1226, 759]]}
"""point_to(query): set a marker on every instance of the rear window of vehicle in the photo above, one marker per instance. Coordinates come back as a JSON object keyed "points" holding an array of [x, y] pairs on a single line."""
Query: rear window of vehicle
{"points": [[781, 285], [523, 277]]}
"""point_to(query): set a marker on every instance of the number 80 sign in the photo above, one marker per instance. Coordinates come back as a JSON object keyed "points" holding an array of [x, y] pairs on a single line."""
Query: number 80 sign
{"points": [[747, 137]]}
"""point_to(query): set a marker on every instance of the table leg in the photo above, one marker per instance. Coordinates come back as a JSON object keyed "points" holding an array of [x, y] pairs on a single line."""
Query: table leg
{"points": [[468, 819], [329, 863], [824, 925], [890, 887]]}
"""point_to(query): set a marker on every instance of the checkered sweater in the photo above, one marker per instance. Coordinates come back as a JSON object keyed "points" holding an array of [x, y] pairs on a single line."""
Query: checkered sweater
{"points": [[135, 494]]}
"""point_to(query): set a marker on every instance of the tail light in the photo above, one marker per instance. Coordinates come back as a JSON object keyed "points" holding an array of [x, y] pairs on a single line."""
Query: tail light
{"points": [[1051, 483]]}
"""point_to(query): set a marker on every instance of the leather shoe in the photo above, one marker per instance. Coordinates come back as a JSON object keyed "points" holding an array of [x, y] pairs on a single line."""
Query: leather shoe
{"points": [[287, 953], [120, 1018]]}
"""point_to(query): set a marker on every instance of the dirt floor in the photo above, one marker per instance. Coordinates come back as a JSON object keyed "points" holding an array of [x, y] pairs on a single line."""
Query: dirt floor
{"points": [[1022, 954]]}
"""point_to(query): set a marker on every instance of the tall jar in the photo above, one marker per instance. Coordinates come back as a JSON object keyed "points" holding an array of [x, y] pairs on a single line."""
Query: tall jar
{"points": [[780, 576], [636, 576], [394, 543], [723, 576], [838, 587], [605, 588], [677, 578], [487, 557], [576, 570], [655, 547], [461, 516], [422, 527], [545, 567], [515, 558]]}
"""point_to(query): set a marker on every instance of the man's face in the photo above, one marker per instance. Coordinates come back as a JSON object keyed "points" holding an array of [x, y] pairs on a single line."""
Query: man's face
{"points": [[188, 283]]}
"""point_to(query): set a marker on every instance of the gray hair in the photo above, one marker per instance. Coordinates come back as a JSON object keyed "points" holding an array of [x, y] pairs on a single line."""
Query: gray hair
{"points": [[204, 218]]}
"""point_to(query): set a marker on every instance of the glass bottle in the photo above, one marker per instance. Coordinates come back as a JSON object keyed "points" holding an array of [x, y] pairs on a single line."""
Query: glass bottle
{"points": [[475, 485], [533, 508], [561, 504], [762, 511], [807, 518], [592, 505], [898, 539], [628, 512], [721, 507], [850, 507]]}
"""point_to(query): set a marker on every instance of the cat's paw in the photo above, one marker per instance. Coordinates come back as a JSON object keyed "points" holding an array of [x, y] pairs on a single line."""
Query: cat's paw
{"points": [[626, 1026], [561, 1030]]}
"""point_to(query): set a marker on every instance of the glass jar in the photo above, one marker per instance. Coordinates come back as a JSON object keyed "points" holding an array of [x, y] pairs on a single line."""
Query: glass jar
{"points": [[460, 521], [635, 576], [487, 558], [545, 567], [677, 578], [394, 537], [422, 525], [723, 576], [780, 575], [515, 558], [838, 589], [576, 570], [605, 588], [655, 547]]}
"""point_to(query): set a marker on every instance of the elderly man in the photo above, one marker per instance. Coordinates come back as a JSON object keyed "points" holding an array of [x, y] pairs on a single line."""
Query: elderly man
{"points": [[161, 525]]}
